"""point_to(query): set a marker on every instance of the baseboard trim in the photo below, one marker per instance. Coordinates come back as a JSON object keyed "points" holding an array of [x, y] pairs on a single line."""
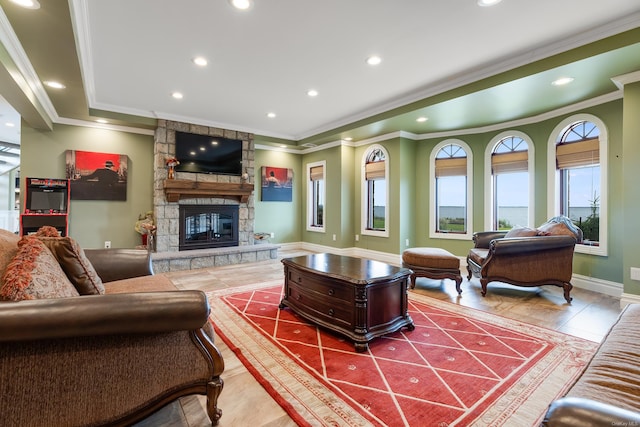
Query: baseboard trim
{"points": [[606, 287]]}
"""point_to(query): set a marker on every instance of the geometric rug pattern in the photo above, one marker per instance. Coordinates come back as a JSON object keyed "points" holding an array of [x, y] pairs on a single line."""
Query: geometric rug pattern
{"points": [[458, 367]]}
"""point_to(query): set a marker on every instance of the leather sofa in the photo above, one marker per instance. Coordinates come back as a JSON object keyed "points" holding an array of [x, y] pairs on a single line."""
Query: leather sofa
{"points": [[110, 359], [608, 391], [525, 256]]}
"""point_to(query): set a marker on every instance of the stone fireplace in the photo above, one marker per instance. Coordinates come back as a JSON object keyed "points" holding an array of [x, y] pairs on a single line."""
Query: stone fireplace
{"points": [[199, 189]]}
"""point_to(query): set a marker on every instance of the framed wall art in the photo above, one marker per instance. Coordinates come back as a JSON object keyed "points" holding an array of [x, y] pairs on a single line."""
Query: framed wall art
{"points": [[277, 184], [97, 176]]}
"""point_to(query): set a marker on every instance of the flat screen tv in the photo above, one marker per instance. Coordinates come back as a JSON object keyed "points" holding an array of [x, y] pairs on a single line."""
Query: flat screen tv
{"points": [[208, 154]]}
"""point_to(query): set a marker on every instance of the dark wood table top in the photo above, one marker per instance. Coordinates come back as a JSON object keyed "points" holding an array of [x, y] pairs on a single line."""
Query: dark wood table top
{"points": [[351, 269]]}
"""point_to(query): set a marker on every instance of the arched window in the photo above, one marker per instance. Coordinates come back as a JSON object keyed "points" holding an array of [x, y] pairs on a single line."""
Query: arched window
{"points": [[509, 181], [451, 180], [374, 191], [579, 155]]}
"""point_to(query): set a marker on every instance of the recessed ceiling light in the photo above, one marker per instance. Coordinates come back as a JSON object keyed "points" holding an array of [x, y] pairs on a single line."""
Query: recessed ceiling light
{"points": [[421, 119], [28, 4], [54, 85], [241, 4], [200, 61], [103, 121], [312, 92], [9, 124], [177, 95], [271, 115], [562, 81], [348, 138], [488, 2], [283, 146], [374, 60]]}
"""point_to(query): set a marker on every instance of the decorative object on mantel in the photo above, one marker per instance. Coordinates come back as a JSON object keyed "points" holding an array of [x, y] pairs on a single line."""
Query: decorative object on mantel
{"points": [[145, 225], [277, 184], [179, 189], [172, 162]]}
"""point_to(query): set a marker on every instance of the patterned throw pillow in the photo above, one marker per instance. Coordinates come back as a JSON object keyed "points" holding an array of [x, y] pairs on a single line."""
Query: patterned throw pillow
{"points": [[75, 264], [34, 273], [47, 231]]}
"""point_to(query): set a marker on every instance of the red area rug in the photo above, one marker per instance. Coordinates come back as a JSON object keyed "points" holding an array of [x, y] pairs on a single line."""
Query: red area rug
{"points": [[459, 367]]}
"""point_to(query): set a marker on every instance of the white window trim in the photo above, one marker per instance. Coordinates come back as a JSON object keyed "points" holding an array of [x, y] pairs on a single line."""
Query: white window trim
{"points": [[364, 191], [311, 227], [488, 178], [432, 188], [553, 180]]}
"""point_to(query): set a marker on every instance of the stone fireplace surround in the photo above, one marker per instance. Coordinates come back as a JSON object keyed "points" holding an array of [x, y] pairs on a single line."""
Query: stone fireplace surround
{"points": [[203, 189]]}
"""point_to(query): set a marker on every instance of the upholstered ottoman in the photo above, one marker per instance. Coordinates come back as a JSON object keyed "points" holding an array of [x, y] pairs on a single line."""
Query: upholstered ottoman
{"points": [[434, 263]]}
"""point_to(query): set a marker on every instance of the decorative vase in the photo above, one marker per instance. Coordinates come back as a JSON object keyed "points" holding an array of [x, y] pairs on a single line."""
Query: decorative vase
{"points": [[144, 239], [171, 172]]}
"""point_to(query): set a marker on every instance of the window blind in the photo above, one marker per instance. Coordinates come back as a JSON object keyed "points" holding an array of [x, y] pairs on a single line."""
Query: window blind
{"points": [[316, 173], [514, 161], [374, 170], [576, 154], [452, 166]]}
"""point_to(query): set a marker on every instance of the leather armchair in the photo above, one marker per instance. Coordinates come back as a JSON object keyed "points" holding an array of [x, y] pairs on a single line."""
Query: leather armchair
{"points": [[529, 261], [108, 359]]}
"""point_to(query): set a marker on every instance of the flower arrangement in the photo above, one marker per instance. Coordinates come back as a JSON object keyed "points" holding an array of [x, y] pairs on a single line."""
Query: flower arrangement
{"points": [[145, 224]]}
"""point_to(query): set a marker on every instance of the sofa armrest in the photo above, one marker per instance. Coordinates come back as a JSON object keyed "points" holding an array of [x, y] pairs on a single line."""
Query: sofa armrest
{"points": [[578, 412], [91, 315], [482, 239], [118, 264], [529, 245]]}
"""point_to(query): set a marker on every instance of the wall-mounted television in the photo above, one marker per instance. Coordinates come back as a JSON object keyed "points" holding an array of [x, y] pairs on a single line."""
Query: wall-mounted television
{"points": [[208, 154]]}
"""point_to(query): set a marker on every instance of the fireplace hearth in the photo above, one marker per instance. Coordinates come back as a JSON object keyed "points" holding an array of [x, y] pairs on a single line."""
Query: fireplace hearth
{"points": [[208, 226]]}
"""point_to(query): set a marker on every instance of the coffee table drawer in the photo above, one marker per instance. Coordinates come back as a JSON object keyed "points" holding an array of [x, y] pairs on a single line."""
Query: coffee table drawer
{"points": [[328, 309], [324, 287]]}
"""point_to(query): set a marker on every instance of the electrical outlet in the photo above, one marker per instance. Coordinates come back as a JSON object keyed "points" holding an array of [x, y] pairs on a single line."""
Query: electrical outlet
{"points": [[334, 237], [357, 237], [107, 244], [406, 242], [273, 235], [635, 273]]}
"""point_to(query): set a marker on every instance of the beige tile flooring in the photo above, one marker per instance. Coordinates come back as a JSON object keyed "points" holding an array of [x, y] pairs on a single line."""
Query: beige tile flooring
{"points": [[245, 403]]}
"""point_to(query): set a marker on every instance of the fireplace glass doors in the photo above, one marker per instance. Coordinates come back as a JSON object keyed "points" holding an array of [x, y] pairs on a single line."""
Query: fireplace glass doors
{"points": [[208, 226]]}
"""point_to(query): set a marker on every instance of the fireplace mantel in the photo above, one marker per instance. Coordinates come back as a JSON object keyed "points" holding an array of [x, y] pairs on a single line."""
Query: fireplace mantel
{"points": [[177, 189]]}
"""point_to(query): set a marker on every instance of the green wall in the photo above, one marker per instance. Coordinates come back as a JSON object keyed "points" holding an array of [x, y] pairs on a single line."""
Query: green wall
{"points": [[91, 222], [626, 221], [280, 218]]}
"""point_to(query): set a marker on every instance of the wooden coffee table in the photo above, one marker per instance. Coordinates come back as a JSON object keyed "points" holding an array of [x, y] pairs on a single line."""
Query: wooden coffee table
{"points": [[359, 298]]}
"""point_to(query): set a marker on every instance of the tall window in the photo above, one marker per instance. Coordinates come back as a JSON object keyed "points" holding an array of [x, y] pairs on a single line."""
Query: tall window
{"points": [[375, 211], [451, 190], [580, 166], [316, 196], [510, 195]]}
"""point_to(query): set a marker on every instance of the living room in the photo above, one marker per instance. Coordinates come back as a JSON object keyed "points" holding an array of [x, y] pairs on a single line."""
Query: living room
{"points": [[454, 110]]}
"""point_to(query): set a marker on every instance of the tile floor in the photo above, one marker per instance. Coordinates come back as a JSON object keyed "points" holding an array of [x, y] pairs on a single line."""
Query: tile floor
{"points": [[245, 403]]}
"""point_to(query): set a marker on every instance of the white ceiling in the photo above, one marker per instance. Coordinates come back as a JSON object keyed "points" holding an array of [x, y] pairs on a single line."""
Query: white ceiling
{"points": [[135, 53]]}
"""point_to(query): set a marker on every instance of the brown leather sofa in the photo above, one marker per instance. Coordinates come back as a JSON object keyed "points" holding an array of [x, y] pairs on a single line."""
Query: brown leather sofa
{"points": [[109, 359], [526, 257], [608, 391]]}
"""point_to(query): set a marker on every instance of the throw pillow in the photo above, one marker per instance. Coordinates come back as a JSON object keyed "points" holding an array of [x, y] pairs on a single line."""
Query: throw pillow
{"points": [[555, 229], [8, 249], [34, 273], [521, 232], [47, 231], [75, 264]]}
